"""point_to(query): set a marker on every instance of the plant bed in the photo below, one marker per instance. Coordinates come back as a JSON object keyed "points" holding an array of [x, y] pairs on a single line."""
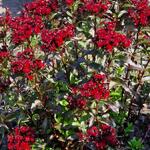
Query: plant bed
{"points": [[75, 74]]}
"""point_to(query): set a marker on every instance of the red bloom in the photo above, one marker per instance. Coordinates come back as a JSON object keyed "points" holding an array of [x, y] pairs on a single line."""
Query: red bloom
{"points": [[111, 140], [21, 138], [96, 89], [4, 55], [69, 2], [93, 131], [24, 26], [101, 137], [30, 77], [81, 136], [41, 7], [140, 13], [53, 39], [10, 138], [39, 64], [101, 145], [24, 146], [81, 103], [105, 127], [76, 103], [108, 38], [95, 7], [5, 20], [109, 134], [26, 63]]}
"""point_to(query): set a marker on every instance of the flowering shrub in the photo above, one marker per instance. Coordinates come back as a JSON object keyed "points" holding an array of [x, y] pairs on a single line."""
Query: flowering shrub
{"points": [[140, 13], [108, 38], [21, 138], [26, 63], [74, 74], [100, 137]]}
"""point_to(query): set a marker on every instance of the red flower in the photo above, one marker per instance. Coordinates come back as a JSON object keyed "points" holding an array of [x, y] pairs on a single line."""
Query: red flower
{"points": [[69, 2], [101, 145], [81, 136], [108, 38], [11, 146], [4, 53], [53, 39], [30, 77], [24, 146], [26, 63], [41, 7], [95, 88], [111, 140], [21, 138], [24, 26], [105, 127], [95, 7], [10, 138], [39, 64], [100, 137], [81, 103], [93, 131], [140, 13]]}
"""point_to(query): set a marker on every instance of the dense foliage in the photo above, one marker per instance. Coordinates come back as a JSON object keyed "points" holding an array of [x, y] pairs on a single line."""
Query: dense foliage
{"points": [[75, 74]]}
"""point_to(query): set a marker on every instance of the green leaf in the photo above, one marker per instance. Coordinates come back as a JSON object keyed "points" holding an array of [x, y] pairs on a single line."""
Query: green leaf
{"points": [[129, 128], [116, 94], [34, 41], [39, 145], [85, 118], [73, 79], [121, 13], [36, 117], [64, 102], [69, 14], [62, 86], [82, 44], [58, 118], [135, 144]]}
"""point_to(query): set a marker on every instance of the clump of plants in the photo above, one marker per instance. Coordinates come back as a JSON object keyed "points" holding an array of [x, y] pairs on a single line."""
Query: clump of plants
{"points": [[74, 74]]}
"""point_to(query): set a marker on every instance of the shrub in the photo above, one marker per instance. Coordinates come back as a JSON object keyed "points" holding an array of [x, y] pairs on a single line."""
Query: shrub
{"points": [[75, 72]]}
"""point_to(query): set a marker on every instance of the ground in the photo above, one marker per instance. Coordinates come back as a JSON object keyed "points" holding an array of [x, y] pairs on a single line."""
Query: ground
{"points": [[14, 6]]}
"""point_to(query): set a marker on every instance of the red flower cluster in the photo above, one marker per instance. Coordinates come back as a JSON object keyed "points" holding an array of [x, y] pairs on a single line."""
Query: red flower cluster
{"points": [[93, 131], [101, 136], [25, 26], [31, 22], [41, 7], [77, 102], [26, 64], [94, 7], [4, 53], [108, 38], [21, 138], [69, 2], [141, 12], [54, 39], [96, 88]]}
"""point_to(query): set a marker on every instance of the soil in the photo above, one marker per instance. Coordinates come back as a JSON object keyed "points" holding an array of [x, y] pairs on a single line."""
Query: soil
{"points": [[14, 6]]}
